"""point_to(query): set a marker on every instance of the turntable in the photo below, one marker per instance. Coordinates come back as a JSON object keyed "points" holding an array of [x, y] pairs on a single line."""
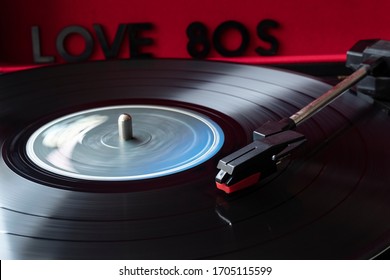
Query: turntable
{"points": [[118, 160]]}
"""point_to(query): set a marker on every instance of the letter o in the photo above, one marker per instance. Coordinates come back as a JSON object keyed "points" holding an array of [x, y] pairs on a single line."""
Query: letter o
{"points": [[60, 43], [222, 28]]}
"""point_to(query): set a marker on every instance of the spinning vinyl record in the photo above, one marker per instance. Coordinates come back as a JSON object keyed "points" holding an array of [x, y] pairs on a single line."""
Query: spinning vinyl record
{"points": [[117, 160]]}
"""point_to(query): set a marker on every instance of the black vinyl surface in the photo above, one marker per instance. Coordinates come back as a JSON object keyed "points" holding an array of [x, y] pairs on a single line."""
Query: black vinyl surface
{"points": [[331, 201]]}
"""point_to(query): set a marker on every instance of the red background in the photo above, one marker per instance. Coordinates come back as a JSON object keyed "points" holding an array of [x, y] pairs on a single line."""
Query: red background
{"points": [[310, 30]]}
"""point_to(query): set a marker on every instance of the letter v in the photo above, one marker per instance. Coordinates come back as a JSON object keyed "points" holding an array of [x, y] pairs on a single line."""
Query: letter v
{"points": [[113, 51]]}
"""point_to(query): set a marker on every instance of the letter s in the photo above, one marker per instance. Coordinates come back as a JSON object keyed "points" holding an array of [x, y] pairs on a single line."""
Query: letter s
{"points": [[262, 32]]}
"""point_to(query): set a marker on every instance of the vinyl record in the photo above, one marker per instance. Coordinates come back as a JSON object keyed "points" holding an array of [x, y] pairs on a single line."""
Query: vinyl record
{"points": [[156, 198]]}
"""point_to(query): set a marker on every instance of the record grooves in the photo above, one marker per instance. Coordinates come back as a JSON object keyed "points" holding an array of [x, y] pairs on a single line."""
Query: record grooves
{"points": [[328, 202]]}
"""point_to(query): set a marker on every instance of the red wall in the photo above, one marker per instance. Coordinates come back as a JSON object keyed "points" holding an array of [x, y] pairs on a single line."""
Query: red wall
{"points": [[307, 27]]}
